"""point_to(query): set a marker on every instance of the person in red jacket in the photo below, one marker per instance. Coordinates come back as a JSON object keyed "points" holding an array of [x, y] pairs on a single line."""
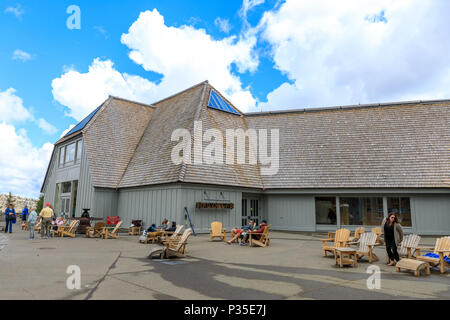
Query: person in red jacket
{"points": [[257, 233]]}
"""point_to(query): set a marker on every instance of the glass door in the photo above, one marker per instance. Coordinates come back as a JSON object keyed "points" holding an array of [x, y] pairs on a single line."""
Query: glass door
{"points": [[251, 211], [65, 206]]}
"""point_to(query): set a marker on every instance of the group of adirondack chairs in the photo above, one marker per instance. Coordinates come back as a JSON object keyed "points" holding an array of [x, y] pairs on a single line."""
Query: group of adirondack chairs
{"points": [[368, 240], [341, 239], [160, 236], [216, 231], [101, 230]]}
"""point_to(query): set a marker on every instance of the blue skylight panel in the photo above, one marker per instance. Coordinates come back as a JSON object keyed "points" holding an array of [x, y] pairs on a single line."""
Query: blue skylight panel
{"points": [[82, 123], [216, 102]]}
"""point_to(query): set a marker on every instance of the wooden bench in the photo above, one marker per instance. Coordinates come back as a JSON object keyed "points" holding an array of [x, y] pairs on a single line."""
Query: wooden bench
{"points": [[351, 253], [413, 265]]}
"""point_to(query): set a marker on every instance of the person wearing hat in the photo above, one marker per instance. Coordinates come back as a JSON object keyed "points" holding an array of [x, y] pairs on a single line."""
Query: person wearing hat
{"points": [[10, 217], [45, 217]]}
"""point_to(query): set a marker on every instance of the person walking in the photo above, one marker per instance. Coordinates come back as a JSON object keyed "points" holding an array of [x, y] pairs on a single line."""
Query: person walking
{"points": [[31, 220], [10, 217], [46, 216], [393, 236], [25, 213]]}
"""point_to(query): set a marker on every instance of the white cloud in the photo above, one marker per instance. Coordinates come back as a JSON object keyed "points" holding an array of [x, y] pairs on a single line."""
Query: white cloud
{"points": [[13, 111], [22, 166], [358, 52], [12, 108], [47, 127], [185, 56], [21, 55], [83, 92], [223, 24], [17, 10]]}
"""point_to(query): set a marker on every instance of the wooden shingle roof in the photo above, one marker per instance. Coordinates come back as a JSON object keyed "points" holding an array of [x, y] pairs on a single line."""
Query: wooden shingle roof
{"points": [[390, 146]]}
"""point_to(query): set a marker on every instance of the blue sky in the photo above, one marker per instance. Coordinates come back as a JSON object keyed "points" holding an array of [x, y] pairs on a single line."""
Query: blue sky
{"points": [[262, 54], [41, 31]]}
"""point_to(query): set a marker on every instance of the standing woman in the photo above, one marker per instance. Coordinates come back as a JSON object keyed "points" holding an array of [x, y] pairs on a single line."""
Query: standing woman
{"points": [[393, 236], [10, 218]]}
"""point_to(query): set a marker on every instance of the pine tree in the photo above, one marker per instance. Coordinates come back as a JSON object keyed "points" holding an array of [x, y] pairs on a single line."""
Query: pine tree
{"points": [[40, 203]]}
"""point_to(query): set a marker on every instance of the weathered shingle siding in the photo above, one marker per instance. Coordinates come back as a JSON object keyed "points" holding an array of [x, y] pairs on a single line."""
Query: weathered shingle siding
{"points": [[238, 174], [392, 146], [404, 146], [112, 138], [152, 163]]}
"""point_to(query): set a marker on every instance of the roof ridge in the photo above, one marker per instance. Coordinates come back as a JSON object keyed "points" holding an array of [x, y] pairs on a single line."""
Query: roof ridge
{"points": [[180, 92], [132, 101], [348, 107]]}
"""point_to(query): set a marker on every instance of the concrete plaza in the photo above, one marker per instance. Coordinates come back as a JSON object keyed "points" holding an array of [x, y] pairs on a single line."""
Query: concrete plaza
{"points": [[291, 268]]}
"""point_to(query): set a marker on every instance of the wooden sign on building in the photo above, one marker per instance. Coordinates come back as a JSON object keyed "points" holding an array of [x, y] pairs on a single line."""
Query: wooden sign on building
{"points": [[214, 205]]}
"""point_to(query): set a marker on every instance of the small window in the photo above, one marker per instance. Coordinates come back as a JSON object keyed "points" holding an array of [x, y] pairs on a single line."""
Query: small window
{"points": [[401, 207], [66, 187], [326, 210], [79, 149], [70, 153], [62, 153]]}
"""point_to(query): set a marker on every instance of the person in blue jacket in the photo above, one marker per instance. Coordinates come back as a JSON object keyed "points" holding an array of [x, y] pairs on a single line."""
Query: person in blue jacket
{"points": [[10, 218], [25, 213]]}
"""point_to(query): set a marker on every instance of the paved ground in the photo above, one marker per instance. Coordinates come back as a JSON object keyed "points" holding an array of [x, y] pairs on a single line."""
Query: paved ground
{"points": [[291, 268]]}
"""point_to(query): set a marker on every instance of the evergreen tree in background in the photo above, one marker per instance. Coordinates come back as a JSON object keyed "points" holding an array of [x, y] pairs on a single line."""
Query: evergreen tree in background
{"points": [[40, 203]]}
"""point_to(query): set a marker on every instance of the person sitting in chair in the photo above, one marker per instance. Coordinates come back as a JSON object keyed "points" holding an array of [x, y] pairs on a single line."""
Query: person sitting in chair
{"points": [[256, 233], [237, 233]]}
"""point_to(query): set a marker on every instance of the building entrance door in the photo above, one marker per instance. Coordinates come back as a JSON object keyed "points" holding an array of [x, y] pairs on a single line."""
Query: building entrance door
{"points": [[251, 210], [65, 206]]}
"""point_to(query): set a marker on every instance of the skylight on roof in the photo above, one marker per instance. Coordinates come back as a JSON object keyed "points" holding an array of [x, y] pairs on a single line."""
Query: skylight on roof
{"points": [[216, 102], [82, 123]]}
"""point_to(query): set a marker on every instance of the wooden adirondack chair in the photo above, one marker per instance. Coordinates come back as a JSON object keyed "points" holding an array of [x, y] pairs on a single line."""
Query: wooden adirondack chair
{"points": [[366, 243], [96, 230], [264, 239], [136, 229], [111, 222], [408, 244], [172, 235], [407, 247], [377, 231], [56, 232], [216, 231], [106, 234], [442, 248], [68, 230], [357, 234], [173, 248], [340, 240]]}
